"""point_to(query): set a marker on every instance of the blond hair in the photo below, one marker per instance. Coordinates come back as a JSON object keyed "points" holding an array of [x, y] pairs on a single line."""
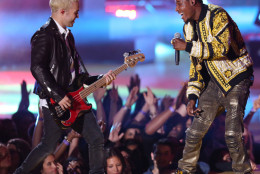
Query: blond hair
{"points": [[55, 5]]}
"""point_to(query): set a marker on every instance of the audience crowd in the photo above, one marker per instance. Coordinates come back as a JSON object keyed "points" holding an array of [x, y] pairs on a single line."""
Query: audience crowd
{"points": [[143, 135]]}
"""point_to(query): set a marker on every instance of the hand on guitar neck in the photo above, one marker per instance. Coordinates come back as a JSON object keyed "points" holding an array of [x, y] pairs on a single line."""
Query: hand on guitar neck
{"points": [[65, 103], [110, 76]]}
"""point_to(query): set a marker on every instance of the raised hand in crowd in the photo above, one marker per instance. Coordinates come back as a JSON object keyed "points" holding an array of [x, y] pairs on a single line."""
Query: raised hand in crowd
{"points": [[177, 105], [114, 135], [101, 116], [167, 101], [99, 94], [151, 101], [149, 105], [68, 141], [134, 81], [114, 98], [131, 99], [114, 93], [24, 104], [256, 104], [38, 129], [247, 135]]}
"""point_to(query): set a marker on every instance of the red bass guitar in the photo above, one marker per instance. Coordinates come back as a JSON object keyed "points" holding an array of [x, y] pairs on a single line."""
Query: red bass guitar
{"points": [[78, 93]]}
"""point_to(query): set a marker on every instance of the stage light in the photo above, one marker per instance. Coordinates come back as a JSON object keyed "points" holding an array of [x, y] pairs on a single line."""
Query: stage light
{"points": [[127, 11], [131, 14]]}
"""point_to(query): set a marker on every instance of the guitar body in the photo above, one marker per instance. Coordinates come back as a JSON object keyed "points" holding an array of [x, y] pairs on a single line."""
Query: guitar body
{"points": [[65, 119]]}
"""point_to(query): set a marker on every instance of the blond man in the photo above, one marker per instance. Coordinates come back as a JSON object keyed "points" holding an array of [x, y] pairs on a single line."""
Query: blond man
{"points": [[55, 64]]}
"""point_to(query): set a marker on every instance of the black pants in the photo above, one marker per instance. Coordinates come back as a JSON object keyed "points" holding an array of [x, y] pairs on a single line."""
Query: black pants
{"points": [[91, 133], [209, 102]]}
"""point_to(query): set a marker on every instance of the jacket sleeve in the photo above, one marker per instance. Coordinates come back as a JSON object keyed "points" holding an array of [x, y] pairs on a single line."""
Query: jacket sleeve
{"points": [[41, 53], [216, 46], [195, 84]]}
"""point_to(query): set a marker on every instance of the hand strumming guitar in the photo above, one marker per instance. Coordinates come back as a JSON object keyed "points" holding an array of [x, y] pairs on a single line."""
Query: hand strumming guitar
{"points": [[65, 103]]}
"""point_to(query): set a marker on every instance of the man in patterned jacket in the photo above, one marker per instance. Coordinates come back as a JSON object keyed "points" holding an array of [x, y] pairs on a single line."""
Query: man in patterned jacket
{"points": [[221, 74]]}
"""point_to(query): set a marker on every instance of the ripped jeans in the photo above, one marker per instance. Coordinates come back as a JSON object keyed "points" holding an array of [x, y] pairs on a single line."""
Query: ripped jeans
{"points": [[209, 102]]}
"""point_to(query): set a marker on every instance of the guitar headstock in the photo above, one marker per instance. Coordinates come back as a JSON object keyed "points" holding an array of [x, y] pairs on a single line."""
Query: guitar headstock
{"points": [[131, 58]]}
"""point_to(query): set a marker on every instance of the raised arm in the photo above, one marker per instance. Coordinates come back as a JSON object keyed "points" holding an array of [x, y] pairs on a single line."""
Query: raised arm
{"points": [[256, 106], [158, 121], [66, 142], [131, 99], [98, 95], [38, 130]]}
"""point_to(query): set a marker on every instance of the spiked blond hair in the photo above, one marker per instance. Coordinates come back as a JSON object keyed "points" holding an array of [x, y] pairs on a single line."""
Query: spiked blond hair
{"points": [[55, 5]]}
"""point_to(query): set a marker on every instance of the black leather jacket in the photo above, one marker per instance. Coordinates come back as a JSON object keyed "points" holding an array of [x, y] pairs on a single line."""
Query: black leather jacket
{"points": [[50, 62]]}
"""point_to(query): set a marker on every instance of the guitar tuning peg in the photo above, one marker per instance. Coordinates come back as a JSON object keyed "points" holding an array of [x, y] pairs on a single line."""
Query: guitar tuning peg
{"points": [[126, 54]]}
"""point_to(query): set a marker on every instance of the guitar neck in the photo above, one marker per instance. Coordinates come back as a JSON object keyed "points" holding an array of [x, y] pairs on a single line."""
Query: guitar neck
{"points": [[99, 83]]}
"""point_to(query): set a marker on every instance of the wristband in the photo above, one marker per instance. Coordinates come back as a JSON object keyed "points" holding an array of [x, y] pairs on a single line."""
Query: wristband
{"points": [[40, 119], [142, 112], [152, 115], [66, 138], [171, 109], [66, 142], [126, 108]]}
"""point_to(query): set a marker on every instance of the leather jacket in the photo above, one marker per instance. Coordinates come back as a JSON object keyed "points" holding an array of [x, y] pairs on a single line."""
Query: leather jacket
{"points": [[50, 62]]}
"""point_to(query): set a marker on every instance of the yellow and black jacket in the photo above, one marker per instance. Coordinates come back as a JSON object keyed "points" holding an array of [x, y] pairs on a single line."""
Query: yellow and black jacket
{"points": [[216, 43]]}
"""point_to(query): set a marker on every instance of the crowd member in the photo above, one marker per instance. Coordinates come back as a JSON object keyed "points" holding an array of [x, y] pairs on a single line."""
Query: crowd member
{"points": [[221, 74], [247, 135], [8, 130], [114, 163], [23, 118], [48, 166], [220, 161], [5, 159], [112, 103], [19, 149], [172, 118], [163, 156]]}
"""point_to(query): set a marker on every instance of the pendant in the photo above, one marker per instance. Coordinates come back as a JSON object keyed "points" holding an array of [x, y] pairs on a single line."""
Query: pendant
{"points": [[198, 67]]}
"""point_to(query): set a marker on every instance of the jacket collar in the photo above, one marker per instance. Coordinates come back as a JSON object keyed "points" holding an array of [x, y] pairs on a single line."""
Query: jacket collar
{"points": [[50, 24], [203, 12]]}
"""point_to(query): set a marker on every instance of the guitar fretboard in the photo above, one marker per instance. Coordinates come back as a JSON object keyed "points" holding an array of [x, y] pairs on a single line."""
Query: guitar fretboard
{"points": [[101, 82]]}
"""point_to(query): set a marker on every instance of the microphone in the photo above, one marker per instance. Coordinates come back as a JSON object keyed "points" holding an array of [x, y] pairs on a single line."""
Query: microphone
{"points": [[177, 52]]}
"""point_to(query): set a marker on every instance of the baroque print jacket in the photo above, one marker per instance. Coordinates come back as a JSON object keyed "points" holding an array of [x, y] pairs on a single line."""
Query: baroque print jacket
{"points": [[216, 47]]}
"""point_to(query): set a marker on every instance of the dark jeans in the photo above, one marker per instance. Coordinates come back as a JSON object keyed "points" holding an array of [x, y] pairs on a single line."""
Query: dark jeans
{"points": [[90, 132], [209, 102]]}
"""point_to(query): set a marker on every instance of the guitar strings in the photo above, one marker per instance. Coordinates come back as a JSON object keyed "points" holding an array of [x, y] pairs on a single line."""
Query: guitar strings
{"points": [[93, 87], [78, 97]]}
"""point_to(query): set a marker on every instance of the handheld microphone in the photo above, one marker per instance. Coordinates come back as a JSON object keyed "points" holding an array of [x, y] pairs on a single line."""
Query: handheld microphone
{"points": [[177, 52]]}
